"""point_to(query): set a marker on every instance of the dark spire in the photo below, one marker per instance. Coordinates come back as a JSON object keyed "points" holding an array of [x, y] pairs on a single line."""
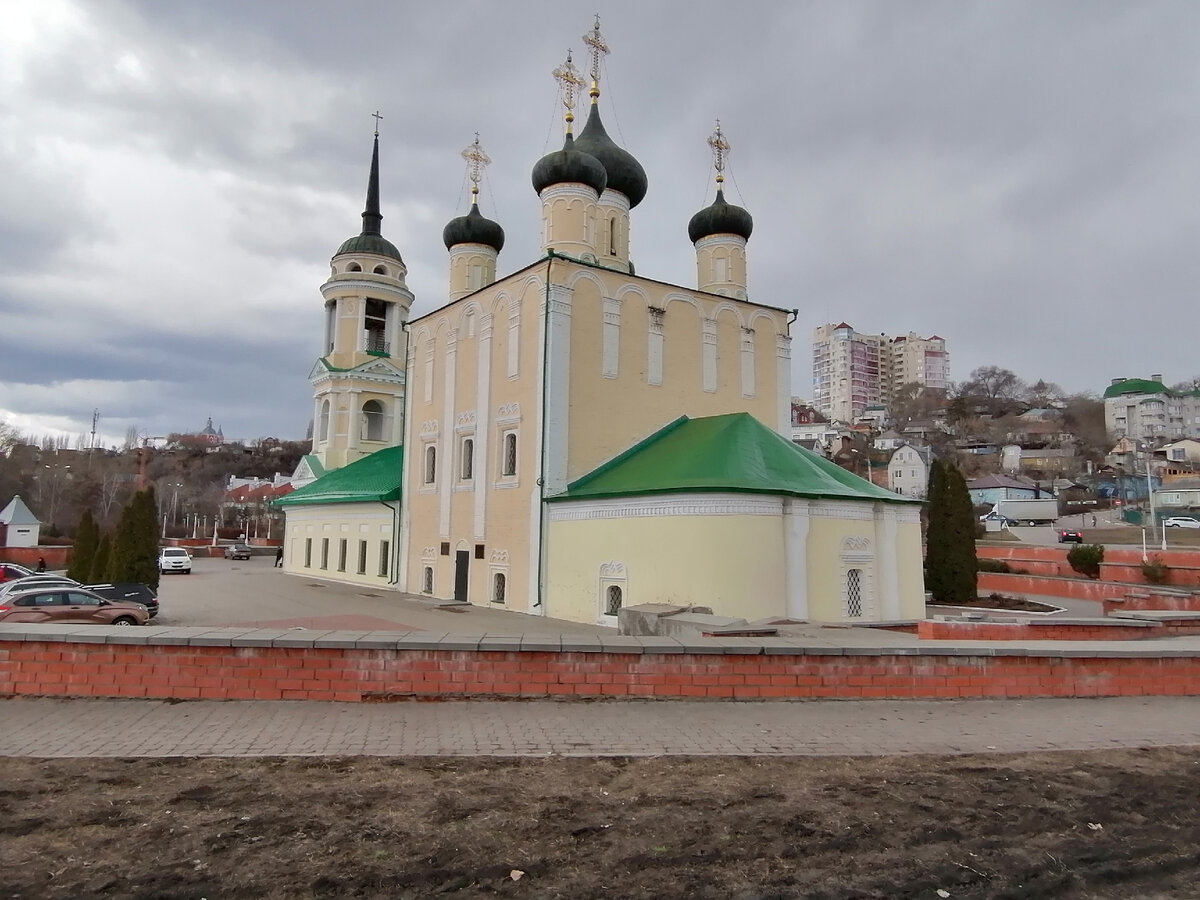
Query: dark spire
{"points": [[371, 216]]}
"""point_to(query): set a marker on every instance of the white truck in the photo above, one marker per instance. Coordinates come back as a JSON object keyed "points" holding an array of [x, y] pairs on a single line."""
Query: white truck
{"points": [[1042, 511]]}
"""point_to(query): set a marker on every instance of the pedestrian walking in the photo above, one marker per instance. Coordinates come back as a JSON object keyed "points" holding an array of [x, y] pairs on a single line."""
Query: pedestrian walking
{"points": [[41, 566], [279, 557], [1093, 520]]}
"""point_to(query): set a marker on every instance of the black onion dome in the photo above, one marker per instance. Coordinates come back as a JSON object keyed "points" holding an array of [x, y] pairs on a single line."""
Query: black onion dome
{"points": [[720, 218], [625, 174], [569, 165], [473, 228]]}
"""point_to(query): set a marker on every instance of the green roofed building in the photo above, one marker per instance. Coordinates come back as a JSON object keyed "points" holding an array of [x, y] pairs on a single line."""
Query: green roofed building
{"points": [[723, 512], [344, 524], [1145, 409]]}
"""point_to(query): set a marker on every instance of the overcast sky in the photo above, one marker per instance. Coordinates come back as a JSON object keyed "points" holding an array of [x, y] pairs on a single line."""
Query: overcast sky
{"points": [[1019, 178]]}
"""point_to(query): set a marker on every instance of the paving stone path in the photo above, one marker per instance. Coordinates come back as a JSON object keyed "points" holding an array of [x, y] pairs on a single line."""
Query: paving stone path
{"points": [[46, 728]]}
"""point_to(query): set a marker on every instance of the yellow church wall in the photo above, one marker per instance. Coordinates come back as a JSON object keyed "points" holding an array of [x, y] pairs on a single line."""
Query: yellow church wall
{"points": [[911, 568], [731, 563], [327, 526], [826, 570], [611, 412], [511, 405]]}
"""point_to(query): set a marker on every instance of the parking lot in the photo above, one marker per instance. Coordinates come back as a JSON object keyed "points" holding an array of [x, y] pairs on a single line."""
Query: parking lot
{"points": [[254, 593]]}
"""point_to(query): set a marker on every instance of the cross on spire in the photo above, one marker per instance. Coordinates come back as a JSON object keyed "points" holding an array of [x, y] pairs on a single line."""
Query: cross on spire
{"points": [[569, 83], [719, 145], [477, 160], [376, 116], [598, 50]]}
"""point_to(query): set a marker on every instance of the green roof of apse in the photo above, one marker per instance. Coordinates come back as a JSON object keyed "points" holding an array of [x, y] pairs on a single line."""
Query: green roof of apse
{"points": [[733, 452], [374, 477]]}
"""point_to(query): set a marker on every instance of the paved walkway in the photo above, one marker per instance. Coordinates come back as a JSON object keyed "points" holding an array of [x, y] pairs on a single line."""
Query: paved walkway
{"points": [[150, 728]]}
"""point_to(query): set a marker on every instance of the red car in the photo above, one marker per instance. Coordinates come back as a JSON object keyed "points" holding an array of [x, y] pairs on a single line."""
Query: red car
{"points": [[11, 572]]}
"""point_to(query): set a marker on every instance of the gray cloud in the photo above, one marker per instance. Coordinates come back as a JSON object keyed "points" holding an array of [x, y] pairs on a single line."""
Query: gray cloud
{"points": [[1017, 178]]}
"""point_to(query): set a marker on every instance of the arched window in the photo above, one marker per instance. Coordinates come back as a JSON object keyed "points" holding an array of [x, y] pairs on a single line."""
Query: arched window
{"points": [[510, 454], [372, 421], [354, 267], [468, 459], [612, 600], [427, 586], [498, 585], [430, 464], [380, 270], [612, 236], [323, 431], [854, 594]]}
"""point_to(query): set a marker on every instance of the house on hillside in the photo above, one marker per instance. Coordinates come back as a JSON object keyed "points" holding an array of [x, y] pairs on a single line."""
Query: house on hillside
{"points": [[908, 470]]}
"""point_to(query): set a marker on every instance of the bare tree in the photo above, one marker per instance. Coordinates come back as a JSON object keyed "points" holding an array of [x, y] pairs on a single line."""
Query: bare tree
{"points": [[132, 441]]}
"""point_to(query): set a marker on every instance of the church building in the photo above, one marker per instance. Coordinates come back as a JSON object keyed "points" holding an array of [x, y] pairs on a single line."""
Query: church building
{"points": [[576, 437]]}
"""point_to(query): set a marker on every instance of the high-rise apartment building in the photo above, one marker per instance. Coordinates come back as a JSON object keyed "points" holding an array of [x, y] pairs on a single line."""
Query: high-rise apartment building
{"points": [[852, 370]]}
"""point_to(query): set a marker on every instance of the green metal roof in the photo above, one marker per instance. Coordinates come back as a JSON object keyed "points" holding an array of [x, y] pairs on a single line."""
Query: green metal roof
{"points": [[734, 452], [374, 477], [375, 244], [314, 464], [1135, 386]]}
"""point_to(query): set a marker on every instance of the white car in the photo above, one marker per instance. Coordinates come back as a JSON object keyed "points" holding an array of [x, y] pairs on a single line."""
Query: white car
{"points": [[1181, 522], [174, 559]]}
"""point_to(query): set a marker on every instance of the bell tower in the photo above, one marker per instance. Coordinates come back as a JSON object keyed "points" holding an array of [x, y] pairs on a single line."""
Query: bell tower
{"points": [[358, 382]]}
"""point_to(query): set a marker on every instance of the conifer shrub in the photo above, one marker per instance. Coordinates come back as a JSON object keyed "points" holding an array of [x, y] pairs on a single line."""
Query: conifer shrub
{"points": [[951, 566], [1155, 571], [1086, 558]]}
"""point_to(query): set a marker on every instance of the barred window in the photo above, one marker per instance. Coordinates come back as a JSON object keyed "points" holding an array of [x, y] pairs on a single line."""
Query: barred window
{"points": [[612, 600], [510, 454], [498, 585], [427, 587], [854, 599], [430, 464]]}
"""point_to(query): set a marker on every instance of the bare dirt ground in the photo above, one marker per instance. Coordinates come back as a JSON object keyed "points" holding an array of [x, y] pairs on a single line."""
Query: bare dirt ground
{"points": [[1099, 824]]}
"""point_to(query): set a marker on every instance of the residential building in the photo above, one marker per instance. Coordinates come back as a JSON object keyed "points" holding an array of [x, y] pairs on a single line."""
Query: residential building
{"points": [[908, 470], [1147, 410], [855, 372]]}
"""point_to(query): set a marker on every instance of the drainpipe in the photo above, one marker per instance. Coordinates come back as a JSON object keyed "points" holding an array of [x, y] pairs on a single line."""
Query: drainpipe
{"points": [[393, 548], [541, 480]]}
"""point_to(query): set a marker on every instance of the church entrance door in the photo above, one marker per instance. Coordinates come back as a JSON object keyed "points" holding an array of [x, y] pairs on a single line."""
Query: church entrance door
{"points": [[462, 559]]}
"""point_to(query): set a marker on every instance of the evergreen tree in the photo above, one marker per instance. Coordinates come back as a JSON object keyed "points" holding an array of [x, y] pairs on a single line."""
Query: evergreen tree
{"points": [[87, 536], [99, 571], [135, 549], [963, 572], [935, 530]]}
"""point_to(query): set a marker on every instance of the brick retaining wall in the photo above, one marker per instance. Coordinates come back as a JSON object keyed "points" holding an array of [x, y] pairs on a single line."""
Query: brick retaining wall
{"points": [[1078, 588], [363, 668]]}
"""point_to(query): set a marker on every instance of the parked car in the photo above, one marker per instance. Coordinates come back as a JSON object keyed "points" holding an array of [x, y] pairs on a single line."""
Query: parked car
{"points": [[238, 551], [11, 572], [70, 606], [127, 591], [32, 581], [174, 559], [1181, 522], [1070, 535]]}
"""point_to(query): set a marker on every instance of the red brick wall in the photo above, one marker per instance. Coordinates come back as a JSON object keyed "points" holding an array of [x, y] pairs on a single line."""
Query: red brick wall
{"points": [[1143, 600], [275, 673], [56, 557], [1119, 565], [1049, 631], [1074, 588]]}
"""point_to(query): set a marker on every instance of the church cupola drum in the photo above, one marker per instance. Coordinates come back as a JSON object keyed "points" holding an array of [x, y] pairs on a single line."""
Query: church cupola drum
{"points": [[474, 241], [569, 182], [720, 232]]}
